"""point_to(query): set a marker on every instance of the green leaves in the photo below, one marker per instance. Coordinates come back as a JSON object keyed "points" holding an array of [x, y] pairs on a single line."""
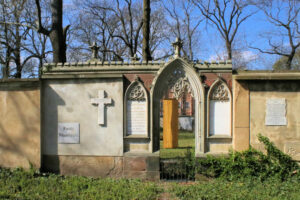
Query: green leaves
{"points": [[250, 164], [21, 184], [243, 189]]}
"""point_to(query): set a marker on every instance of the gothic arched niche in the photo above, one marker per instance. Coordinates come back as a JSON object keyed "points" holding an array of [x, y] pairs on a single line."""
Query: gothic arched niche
{"points": [[179, 77], [177, 82], [136, 110], [219, 109]]}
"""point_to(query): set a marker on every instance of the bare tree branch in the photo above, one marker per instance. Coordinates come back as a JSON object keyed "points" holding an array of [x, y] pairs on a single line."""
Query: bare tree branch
{"points": [[41, 29]]}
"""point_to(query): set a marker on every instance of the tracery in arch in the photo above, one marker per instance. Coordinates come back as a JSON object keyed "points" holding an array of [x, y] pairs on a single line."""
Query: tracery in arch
{"points": [[178, 83], [219, 92], [137, 93], [219, 109]]}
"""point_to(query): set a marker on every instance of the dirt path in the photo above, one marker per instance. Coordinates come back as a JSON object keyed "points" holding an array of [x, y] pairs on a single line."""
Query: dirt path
{"points": [[166, 186], [166, 195]]}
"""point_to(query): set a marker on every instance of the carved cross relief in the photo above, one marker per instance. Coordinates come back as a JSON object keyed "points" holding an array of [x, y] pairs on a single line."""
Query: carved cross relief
{"points": [[101, 102]]}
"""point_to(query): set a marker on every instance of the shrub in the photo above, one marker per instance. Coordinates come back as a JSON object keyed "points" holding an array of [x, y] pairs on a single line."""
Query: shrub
{"points": [[250, 163]]}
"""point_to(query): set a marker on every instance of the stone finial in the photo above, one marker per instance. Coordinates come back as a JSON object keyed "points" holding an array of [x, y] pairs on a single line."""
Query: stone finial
{"points": [[136, 78], [177, 45], [94, 49], [135, 58]]}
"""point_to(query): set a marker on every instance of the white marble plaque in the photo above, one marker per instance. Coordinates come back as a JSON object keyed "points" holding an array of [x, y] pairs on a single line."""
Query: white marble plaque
{"points": [[68, 133], [136, 117], [276, 112], [219, 117]]}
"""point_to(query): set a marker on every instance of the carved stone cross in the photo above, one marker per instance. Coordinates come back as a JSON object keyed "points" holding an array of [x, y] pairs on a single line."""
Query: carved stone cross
{"points": [[101, 102], [177, 47], [95, 48]]}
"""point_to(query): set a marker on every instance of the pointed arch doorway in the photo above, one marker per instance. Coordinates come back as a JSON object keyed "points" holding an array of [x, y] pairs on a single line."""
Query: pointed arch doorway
{"points": [[177, 75]]}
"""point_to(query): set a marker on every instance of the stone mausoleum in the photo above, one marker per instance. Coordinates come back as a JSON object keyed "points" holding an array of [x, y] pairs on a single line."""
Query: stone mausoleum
{"points": [[103, 118]]}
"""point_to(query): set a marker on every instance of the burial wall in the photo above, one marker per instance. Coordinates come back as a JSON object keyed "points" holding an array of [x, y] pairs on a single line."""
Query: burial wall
{"points": [[72, 101], [20, 123], [271, 106]]}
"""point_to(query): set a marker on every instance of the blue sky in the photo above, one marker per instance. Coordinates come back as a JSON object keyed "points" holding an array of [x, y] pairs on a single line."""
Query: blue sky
{"points": [[249, 34]]}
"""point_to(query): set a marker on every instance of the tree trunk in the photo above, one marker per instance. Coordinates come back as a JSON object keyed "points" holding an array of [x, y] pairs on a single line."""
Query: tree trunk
{"points": [[40, 66], [17, 53], [146, 31], [191, 56], [229, 50], [289, 60], [5, 69], [56, 35], [18, 63]]}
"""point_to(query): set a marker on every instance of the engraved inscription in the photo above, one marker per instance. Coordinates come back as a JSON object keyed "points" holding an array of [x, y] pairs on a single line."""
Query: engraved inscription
{"points": [[292, 148], [276, 112], [136, 117], [68, 133], [291, 151]]}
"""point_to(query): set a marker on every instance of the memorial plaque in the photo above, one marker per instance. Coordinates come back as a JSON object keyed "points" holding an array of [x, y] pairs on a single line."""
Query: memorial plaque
{"points": [[276, 112], [219, 118], [136, 117], [68, 133]]}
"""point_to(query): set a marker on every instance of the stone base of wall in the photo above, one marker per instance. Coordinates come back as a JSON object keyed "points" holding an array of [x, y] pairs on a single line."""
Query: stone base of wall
{"points": [[132, 166]]}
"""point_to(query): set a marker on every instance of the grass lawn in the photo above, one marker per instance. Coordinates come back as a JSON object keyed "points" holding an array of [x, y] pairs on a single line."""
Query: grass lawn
{"points": [[186, 140], [20, 184], [249, 189]]}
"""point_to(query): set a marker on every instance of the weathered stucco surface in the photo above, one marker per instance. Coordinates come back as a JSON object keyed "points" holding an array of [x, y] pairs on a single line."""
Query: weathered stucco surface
{"points": [[70, 101], [286, 138], [20, 124], [218, 145], [240, 115]]}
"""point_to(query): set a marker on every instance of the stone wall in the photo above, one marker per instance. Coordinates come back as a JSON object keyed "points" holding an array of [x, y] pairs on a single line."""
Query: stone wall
{"points": [[251, 94], [131, 166], [69, 101], [286, 137], [240, 115], [20, 123]]}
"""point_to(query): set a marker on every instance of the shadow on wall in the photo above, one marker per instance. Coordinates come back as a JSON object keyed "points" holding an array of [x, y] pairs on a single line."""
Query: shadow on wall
{"points": [[20, 125], [50, 102]]}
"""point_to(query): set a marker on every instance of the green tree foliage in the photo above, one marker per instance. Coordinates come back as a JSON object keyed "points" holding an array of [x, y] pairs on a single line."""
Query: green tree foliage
{"points": [[280, 64]]}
